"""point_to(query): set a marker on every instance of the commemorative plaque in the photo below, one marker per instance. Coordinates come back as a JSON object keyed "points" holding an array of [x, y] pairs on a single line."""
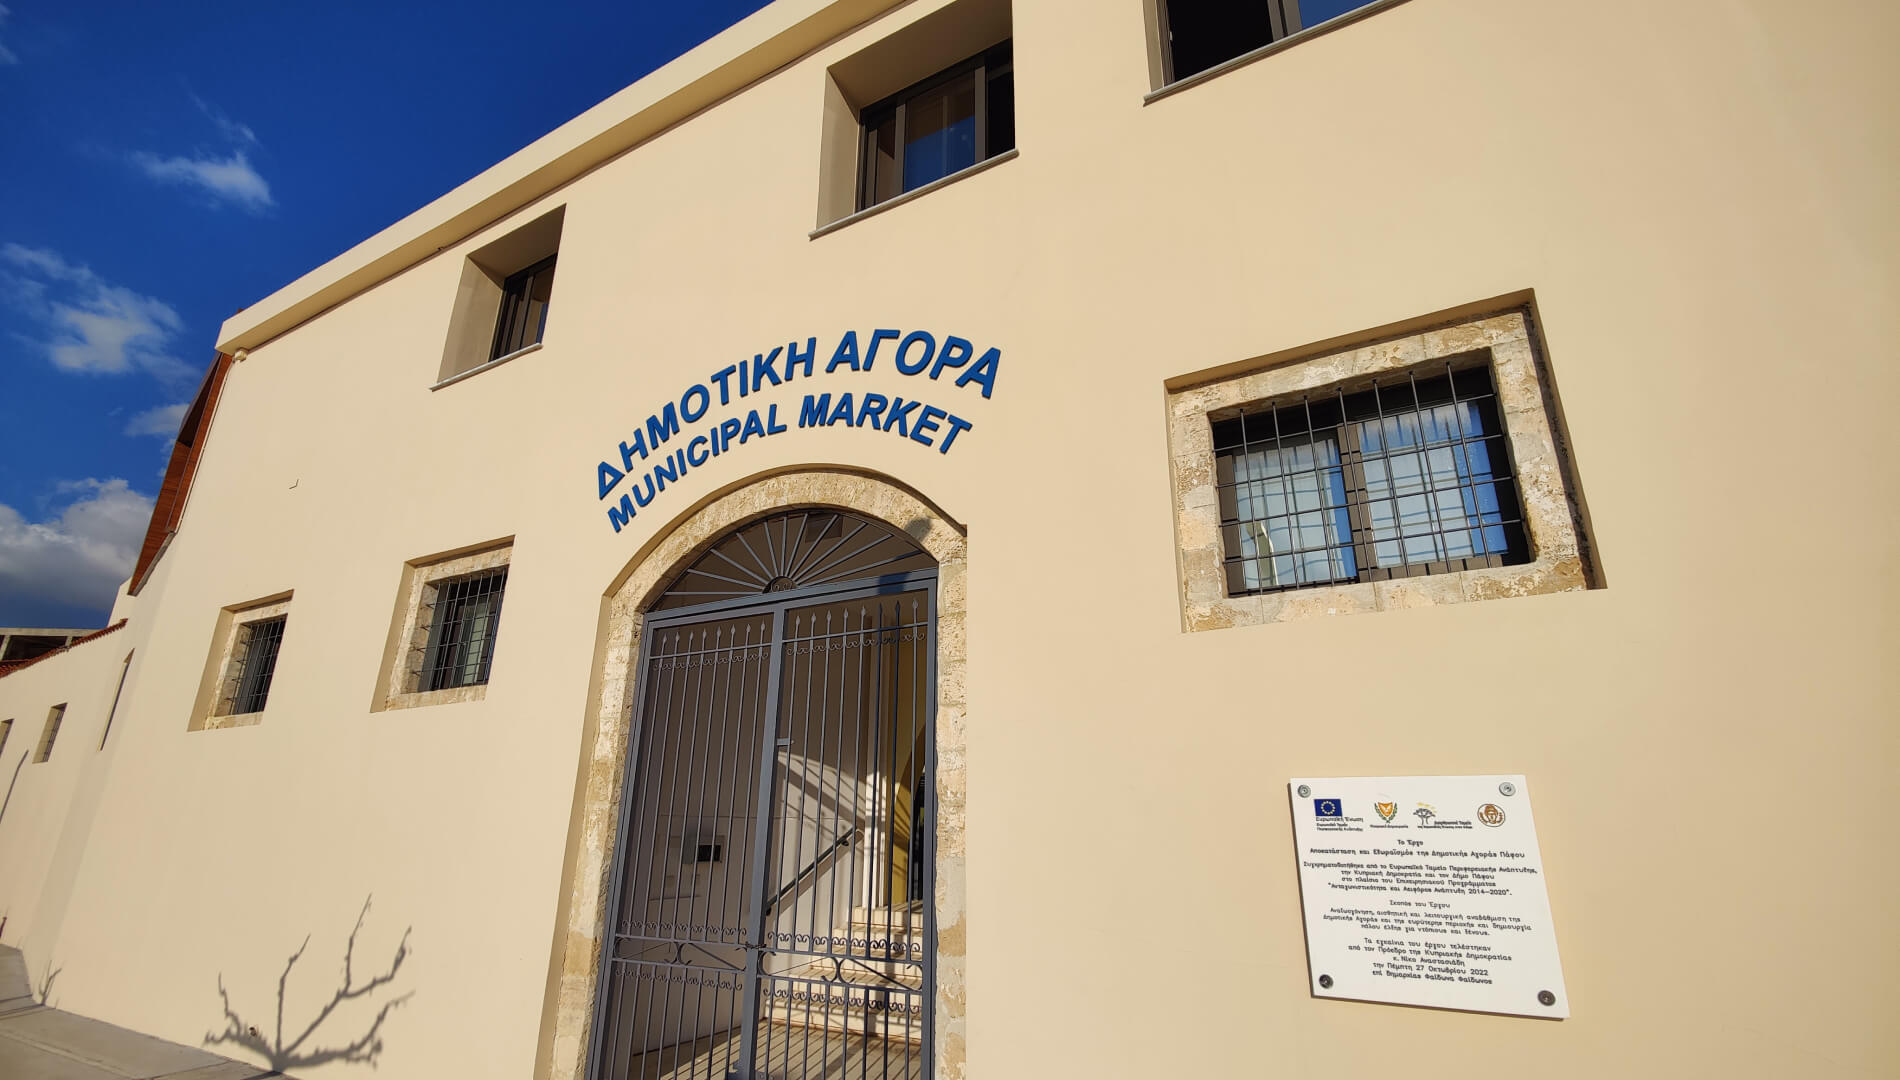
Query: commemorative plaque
{"points": [[1426, 890]]}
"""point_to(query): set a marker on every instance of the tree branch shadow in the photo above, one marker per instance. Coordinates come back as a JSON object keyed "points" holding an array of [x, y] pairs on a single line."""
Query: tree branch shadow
{"points": [[44, 991], [301, 1049]]}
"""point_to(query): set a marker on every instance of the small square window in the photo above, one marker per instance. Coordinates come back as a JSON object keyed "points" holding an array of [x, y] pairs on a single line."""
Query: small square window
{"points": [[1200, 34], [242, 669], [253, 664], [54, 717], [465, 617], [442, 637], [938, 126], [1420, 468]]}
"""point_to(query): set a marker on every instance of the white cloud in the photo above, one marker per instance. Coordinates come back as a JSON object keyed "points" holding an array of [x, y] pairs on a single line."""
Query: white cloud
{"points": [[7, 56], [162, 421], [232, 130], [231, 179], [91, 325], [75, 561]]}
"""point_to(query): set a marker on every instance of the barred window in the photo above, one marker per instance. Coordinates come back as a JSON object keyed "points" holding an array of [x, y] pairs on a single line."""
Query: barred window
{"points": [[466, 617], [254, 663], [1407, 475]]}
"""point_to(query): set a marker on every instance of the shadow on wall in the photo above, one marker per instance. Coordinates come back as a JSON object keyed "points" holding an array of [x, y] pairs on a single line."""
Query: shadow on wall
{"points": [[44, 991], [302, 1050], [10, 784]]}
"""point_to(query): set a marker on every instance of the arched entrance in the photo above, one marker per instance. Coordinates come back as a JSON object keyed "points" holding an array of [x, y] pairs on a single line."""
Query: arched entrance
{"points": [[770, 908]]}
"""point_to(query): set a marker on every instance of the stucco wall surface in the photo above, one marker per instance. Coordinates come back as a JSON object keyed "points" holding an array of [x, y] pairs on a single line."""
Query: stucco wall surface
{"points": [[1695, 201]]}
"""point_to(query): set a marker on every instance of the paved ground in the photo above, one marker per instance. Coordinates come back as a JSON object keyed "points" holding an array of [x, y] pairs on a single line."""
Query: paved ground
{"points": [[37, 1043]]}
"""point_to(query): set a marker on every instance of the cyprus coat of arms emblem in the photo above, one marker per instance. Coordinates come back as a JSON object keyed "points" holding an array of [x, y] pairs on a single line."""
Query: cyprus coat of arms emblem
{"points": [[1387, 810]]}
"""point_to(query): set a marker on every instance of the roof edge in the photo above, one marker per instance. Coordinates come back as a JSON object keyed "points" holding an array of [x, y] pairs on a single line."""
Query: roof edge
{"points": [[738, 56]]}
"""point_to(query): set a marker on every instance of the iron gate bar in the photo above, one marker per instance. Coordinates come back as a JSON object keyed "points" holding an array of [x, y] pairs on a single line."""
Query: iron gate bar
{"points": [[767, 615]]}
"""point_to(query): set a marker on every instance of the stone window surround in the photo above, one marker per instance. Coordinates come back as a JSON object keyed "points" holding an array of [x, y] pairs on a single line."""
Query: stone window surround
{"points": [[569, 1011], [216, 697], [1552, 510], [402, 663]]}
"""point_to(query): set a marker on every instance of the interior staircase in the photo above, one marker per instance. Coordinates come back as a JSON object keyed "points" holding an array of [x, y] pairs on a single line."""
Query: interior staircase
{"points": [[872, 992]]}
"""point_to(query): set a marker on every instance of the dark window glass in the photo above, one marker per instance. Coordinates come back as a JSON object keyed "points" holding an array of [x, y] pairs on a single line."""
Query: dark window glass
{"points": [[462, 631], [1000, 110], [524, 308], [256, 659], [940, 131], [937, 127], [1407, 477], [1206, 33]]}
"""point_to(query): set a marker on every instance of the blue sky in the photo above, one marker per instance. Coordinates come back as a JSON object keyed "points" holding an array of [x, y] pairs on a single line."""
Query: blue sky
{"points": [[164, 164]]}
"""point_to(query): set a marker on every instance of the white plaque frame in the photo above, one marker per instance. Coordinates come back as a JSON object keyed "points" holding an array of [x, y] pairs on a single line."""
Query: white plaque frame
{"points": [[1428, 891]]}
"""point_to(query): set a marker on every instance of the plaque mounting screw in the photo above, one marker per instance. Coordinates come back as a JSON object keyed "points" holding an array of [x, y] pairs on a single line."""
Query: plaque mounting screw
{"points": [[1305, 791], [1545, 997], [1507, 788], [1326, 983]]}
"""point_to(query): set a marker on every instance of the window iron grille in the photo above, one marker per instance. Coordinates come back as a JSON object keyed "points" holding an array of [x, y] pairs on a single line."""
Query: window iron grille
{"points": [[524, 308], [256, 662], [466, 619], [1407, 476]]}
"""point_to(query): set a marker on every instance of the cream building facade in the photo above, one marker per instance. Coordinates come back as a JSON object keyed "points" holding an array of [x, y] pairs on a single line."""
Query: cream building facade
{"points": [[1455, 386]]}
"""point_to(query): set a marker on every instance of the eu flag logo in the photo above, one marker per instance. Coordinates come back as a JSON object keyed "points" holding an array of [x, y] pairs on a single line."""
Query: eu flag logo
{"points": [[1326, 808]]}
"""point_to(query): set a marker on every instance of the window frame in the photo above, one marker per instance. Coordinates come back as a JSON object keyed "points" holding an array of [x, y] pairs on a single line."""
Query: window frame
{"points": [[514, 302], [447, 625], [224, 683], [1358, 502], [994, 62], [1170, 80], [49, 734], [1555, 517], [414, 634]]}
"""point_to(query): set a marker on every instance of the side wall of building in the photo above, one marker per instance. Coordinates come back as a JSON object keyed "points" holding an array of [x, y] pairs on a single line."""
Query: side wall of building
{"points": [[1695, 200]]}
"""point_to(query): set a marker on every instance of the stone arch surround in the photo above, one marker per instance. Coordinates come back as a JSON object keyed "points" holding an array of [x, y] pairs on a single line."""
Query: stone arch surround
{"points": [[586, 875]]}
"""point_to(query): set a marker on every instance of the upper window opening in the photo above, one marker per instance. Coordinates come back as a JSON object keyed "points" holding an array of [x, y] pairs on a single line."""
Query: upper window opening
{"points": [[1410, 475], [938, 126], [524, 309], [1201, 34], [502, 299]]}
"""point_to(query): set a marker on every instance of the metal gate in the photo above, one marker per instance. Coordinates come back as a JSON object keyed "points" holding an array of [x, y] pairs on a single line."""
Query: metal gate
{"points": [[770, 905]]}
